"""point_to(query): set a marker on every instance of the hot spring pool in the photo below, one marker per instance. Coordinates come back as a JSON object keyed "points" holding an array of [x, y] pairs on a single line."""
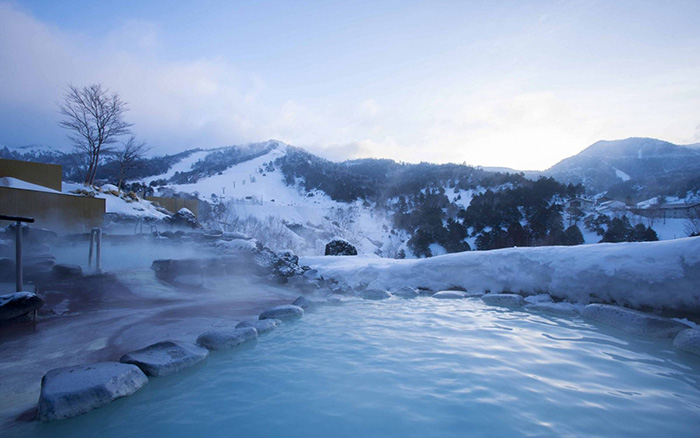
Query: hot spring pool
{"points": [[416, 368]]}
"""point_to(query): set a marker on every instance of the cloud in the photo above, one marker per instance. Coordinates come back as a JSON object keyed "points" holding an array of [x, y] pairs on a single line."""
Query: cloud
{"points": [[522, 117]]}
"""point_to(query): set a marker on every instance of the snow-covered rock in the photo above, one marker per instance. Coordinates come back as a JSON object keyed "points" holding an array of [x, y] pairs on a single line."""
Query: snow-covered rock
{"points": [[374, 294], [504, 300], [184, 218], [539, 298], [561, 309], [303, 302], [70, 391], [688, 340], [405, 292], [450, 295], [340, 247], [633, 321], [261, 325], [225, 339], [285, 311], [165, 357], [18, 304]]}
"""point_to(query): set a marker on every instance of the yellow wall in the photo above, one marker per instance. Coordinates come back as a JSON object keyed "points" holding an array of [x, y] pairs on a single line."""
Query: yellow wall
{"points": [[175, 204], [52, 210], [46, 175]]}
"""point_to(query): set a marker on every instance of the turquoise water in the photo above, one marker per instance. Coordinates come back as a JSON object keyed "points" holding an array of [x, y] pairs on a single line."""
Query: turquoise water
{"points": [[416, 368]]}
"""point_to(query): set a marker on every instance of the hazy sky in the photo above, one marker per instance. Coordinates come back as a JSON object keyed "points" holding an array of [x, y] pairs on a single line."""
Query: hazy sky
{"points": [[518, 84]]}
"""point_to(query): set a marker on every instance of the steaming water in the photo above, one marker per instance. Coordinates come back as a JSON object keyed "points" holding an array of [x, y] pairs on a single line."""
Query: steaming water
{"points": [[416, 368]]}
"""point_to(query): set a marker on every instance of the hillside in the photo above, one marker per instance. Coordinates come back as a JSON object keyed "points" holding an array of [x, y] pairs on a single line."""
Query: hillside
{"points": [[633, 169], [292, 199]]}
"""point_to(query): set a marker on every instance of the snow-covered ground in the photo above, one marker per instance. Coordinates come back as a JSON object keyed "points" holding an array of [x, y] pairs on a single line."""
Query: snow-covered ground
{"points": [[660, 275], [251, 191], [181, 166], [116, 202]]}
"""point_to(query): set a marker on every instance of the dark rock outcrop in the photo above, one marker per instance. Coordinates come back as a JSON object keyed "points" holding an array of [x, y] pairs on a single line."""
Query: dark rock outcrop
{"points": [[340, 247]]}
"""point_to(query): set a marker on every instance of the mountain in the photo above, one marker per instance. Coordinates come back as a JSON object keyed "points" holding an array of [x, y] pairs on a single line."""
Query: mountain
{"points": [[632, 169]]}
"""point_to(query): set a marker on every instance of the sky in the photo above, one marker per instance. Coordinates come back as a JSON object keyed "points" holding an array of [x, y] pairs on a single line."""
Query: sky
{"points": [[520, 84]]}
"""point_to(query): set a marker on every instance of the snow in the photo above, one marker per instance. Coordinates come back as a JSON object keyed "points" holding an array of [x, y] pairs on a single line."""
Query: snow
{"points": [[622, 175], [263, 195], [659, 275], [8, 181], [118, 204], [183, 165]]}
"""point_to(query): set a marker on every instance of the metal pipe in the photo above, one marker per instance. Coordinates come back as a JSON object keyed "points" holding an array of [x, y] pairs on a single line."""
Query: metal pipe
{"points": [[99, 250], [18, 256], [92, 243]]}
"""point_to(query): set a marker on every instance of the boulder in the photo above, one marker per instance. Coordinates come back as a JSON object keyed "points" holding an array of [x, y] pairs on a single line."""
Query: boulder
{"points": [[165, 357], [688, 340], [65, 271], [7, 269], [260, 325], [425, 291], [303, 302], [340, 247], [374, 294], [286, 311], [37, 264], [450, 295], [560, 309], [504, 300], [70, 391], [184, 218], [225, 339], [633, 321], [405, 292], [18, 304]]}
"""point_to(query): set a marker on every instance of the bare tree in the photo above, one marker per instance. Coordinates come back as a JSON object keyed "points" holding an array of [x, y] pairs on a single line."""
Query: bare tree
{"points": [[129, 155], [95, 118]]}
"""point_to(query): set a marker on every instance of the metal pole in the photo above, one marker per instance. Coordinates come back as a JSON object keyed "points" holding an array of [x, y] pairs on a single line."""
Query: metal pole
{"points": [[18, 256], [99, 250], [92, 242]]}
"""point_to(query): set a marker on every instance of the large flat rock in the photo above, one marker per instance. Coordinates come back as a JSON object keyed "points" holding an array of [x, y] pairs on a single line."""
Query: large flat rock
{"points": [[285, 311], [70, 391], [165, 357], [226, 339], [559, 309], [633, 321], [405, 292], [450, 295], [18, 304], [303, 302], [688, 340], [260, 325], [503, 300]]}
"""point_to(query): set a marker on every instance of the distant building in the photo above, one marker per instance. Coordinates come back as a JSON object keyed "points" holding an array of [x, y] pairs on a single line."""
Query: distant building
{"points": [[582, 204], [34, 190], [669, 211], [611, 206]]}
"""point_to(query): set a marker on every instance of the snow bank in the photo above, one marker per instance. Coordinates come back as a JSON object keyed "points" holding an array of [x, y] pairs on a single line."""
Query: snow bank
{"points": [[662, 274]]}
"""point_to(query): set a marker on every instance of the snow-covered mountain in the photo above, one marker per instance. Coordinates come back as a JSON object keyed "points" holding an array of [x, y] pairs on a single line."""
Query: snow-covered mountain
{"points": [[291, 199], [633, 168]]}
